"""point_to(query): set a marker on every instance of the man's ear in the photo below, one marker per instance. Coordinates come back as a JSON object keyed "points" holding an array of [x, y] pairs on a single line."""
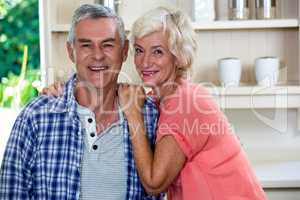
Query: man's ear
{"points": [[70, 51], [125, 50]]}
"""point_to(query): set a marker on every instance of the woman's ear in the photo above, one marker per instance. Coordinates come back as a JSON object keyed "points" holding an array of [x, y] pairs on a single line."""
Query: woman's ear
{"points": [[70, 51], [177, 63]]}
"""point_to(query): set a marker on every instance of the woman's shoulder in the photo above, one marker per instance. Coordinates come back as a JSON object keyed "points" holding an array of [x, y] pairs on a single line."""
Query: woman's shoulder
{"points": [[193, 93], [189, 98], [187, 87]]}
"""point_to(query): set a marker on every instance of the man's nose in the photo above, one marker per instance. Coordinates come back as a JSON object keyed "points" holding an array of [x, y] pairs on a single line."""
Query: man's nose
{"points": [[98, 53]]}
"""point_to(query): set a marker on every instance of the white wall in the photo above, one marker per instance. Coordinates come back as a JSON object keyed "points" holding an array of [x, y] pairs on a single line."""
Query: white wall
{"points": [[7, 117]]}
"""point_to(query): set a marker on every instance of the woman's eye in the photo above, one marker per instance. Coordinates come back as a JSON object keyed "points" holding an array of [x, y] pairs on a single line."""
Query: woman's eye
{"points": [[138, 51], [157, 52]]}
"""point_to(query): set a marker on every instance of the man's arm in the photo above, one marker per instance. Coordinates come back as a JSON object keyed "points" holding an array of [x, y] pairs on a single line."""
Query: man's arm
{"points": [[15, 175]]}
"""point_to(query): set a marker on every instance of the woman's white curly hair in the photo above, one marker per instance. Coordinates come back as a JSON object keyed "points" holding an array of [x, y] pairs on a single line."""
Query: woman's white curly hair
{"points": [[178, 28]]}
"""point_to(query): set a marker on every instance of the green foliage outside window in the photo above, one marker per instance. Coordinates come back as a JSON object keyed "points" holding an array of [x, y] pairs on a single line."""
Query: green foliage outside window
{"points": [[19, 27], [5, 5], [16, 91], [19, 52]]}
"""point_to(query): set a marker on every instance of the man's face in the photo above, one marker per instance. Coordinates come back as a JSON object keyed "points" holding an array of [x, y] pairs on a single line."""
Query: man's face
{"points": [[97, 52]]}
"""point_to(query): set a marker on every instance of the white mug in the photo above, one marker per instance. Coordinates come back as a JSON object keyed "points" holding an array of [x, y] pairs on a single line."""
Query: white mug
{"points": [[267, 71], [229, 71]]}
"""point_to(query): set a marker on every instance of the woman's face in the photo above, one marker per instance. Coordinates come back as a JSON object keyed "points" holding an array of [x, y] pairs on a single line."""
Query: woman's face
{"points": [[155, 63]]}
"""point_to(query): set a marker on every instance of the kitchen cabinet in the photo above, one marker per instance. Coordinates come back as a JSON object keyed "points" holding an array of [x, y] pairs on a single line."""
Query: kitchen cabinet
{"points": [[267, 119], [270, 142], [246, 39]]}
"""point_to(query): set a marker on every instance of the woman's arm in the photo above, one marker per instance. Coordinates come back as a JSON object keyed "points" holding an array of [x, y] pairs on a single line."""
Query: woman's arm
{"points": [[159, 169]]}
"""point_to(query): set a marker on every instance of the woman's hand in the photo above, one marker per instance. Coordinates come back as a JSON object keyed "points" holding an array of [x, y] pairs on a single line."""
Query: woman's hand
{"points": [[131, 98], [56, 89]]}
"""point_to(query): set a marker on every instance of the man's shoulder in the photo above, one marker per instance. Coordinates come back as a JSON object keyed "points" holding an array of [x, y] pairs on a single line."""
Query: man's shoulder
{"points": [[40, 104], [150, 102], [150, 112], [150, 106]]}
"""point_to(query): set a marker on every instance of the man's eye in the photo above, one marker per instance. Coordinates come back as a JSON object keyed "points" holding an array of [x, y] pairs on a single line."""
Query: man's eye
{"points": [[108, 45], [85, 45]]}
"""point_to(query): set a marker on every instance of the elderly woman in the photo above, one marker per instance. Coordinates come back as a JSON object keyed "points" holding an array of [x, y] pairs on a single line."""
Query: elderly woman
{"points": [[197, 155]]}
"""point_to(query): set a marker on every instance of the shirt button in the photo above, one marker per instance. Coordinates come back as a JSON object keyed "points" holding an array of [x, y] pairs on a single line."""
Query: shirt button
{"points": [[92, 134], [90, 120], [95, 147]]}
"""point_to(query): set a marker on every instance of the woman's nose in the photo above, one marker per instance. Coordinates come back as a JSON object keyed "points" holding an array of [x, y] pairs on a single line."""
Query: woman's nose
{"points": [[146, 61]]}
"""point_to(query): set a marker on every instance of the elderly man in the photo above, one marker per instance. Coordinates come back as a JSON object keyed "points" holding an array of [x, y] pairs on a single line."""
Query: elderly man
{"points": [[77, 146]]}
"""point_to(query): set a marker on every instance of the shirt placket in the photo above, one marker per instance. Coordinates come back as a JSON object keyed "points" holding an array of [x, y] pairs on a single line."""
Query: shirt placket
{"points": [[91, 132]]}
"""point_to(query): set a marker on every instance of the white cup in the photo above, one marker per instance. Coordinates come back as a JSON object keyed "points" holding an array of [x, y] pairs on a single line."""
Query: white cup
{"points": [[267, 71], [229, 71]]}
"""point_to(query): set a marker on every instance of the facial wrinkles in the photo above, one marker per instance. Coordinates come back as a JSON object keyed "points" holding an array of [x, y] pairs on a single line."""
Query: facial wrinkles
{"points": [[156, 68]]}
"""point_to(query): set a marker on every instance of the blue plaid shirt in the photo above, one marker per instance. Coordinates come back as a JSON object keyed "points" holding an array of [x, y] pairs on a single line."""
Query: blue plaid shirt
{"points": [[43, 155]]}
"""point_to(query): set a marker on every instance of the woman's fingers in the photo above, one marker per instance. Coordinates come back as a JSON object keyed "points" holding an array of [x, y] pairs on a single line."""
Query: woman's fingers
{"points": [[55, 90], [131, 98], [58, 89], [45, 91]]}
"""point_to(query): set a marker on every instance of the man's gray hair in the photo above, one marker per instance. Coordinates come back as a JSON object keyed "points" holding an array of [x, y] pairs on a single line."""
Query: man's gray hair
{"points": [[95, 11]]}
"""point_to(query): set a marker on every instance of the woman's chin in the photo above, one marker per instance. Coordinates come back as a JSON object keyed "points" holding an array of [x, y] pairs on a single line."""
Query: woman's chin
{"points": [[150, 83]]}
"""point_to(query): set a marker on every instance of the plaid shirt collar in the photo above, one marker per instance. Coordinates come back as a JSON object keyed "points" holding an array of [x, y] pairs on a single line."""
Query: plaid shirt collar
{"points": [[67, 102]]}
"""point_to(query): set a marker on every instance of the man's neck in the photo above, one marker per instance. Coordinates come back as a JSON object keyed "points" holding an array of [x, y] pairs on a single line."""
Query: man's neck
{"points": [[103, 102]]}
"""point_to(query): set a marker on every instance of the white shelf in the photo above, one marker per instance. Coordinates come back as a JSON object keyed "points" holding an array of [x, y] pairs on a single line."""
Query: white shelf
{"points": [[280, 174], [215, 25], [257, 97], [247, 24], [60, 28]]}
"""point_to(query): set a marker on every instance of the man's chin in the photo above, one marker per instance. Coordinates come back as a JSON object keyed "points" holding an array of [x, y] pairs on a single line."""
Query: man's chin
{"points": [[94, 85]]}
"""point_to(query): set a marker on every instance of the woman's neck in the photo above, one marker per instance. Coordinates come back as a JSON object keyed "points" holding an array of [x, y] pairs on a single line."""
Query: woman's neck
{"points": [[166, 89]]}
